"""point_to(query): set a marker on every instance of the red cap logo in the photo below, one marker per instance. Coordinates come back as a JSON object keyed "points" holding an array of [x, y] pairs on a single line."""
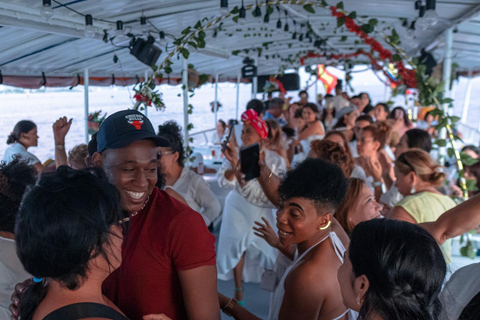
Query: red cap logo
{"points": [[135, 120]]}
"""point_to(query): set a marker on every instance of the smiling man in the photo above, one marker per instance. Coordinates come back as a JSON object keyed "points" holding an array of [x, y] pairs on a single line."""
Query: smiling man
{"points": [[168, 254]]}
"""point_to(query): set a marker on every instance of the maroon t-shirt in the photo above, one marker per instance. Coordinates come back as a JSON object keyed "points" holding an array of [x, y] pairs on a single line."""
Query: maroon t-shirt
{"points": [[164, 238]]}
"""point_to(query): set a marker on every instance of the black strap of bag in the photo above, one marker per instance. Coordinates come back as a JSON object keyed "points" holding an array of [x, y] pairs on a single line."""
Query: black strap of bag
{"points": [[85, 310]]}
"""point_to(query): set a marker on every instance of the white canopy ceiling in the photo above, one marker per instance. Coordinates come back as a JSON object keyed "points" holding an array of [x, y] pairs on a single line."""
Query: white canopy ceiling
{"points": [[31, 45]]}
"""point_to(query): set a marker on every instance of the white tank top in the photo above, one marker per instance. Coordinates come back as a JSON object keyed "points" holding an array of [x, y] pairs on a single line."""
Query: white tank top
{"points": [[280, 290]]}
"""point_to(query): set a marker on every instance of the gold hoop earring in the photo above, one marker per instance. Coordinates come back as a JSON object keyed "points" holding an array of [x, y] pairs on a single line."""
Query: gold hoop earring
{"points": [[326, 227]]}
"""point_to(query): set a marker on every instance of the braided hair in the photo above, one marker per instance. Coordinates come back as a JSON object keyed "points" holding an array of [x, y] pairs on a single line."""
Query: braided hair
{"points": [[404, 266]]}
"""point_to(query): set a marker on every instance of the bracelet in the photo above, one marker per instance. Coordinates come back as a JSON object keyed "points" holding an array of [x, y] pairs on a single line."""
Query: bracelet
{"points": [[376, 184], [60, 147], [228, 309]]}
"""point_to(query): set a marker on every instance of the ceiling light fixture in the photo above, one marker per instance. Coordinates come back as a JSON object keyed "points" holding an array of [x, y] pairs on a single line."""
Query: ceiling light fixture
{"points": [[223, 7], [120, 33], [89, 29], [47, 11], [258, 13], [242, 15]]}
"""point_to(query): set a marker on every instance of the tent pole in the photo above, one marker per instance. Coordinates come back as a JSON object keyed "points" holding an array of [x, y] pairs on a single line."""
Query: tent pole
{"points": [[238, 96], [468, 93], [316, 89], [185, 106], [146, 108], [215, 103], [447, 71], [86, 83], [254, 82]]}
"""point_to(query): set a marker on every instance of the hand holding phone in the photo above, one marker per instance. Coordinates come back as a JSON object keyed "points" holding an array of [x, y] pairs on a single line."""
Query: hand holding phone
{"points": [[249, 158], [224, 144]]}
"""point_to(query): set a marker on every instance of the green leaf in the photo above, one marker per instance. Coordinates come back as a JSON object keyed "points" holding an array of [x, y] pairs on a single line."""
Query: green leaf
{"points": [[235, 10], [151, 85], [269, 9], [446, 101], [373, 22], [340, 5], [467, 160], [343, 39], [235, 19], [353, 15], [185, 53], [236, 52], [441, 142], [340, 22], [190, 126], [198, 25], [472, 185], [309, 8], [455, 119], [324, 4], [396, 57], [450, 152], [367, 28], [186, 30], [168, 70]]}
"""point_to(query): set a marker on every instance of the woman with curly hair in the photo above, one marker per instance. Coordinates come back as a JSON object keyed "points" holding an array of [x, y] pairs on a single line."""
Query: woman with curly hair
{"points": [[188, 184], [309, 195], [14, 179], [339, 137]]}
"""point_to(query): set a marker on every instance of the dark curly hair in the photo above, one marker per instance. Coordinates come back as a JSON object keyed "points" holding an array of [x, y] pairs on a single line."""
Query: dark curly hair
{"points": [[404, 266], [171, 131], [316, 180], [15, 177], [334, 153], [64, 221]]}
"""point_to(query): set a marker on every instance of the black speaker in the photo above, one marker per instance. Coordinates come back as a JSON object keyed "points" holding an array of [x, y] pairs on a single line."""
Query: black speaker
{"points": [[290, 81], [249, 71], [145, 51]]}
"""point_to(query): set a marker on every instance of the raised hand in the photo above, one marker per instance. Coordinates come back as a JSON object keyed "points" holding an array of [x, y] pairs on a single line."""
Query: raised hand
{"points": [[60, 129], [374, 167], [266, 232]]}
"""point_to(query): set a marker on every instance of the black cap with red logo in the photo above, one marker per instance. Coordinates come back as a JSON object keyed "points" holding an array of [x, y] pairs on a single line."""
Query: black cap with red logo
{"points": [[124, 127]]}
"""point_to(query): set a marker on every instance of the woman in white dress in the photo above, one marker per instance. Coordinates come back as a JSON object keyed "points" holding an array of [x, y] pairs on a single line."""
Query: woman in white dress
{"points": [[240, 253]]}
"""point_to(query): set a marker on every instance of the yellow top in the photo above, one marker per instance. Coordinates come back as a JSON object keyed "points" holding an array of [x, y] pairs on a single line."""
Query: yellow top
{"points": [[427, 207]]}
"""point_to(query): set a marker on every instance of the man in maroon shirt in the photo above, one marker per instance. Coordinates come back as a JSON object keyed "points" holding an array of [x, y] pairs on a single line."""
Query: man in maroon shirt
{"points": [[168, 254]]}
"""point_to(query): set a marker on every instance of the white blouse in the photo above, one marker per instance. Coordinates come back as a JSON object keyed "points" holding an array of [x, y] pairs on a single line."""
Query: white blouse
{"points": [[252, 191]]}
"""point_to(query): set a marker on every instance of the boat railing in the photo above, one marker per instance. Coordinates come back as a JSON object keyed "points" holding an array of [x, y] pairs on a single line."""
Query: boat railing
{"points": [[197, 136], [470, 135]]}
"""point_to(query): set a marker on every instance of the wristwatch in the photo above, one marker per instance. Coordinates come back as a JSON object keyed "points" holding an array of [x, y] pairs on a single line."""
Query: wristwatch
{"points": [[228, 309], [59, 146]]}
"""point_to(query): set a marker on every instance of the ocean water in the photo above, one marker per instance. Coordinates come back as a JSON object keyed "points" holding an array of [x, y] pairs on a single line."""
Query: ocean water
{"points": [[46, 105]]}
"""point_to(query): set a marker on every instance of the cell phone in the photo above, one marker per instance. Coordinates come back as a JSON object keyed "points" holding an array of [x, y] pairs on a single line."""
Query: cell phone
{"points": [[249, 158], [224, 144]]}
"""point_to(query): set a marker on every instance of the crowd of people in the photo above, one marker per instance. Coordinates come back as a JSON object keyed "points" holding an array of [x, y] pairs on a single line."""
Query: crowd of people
{"points": [[346, 216]]}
